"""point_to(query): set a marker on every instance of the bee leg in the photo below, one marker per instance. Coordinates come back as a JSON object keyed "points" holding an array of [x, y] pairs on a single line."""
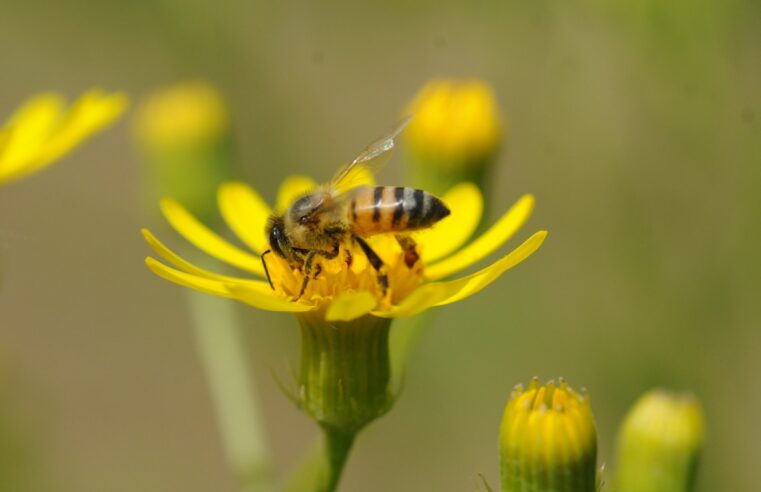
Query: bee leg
{"points": [[307, 269], [408, 245], [308, 266], [375, 261], [329, 255]]}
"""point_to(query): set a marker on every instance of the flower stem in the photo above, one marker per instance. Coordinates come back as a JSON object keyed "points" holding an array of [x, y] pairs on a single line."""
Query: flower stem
{"points": [[337, 447], [220, 347]]}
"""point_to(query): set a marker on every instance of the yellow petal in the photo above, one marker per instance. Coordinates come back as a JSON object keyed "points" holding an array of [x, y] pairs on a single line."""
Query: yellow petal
{"points": [[31, 125], [486, 243], [467, 286], [441, 293], [263, 297], [206, 240], [42, 132], [291, 189], [90, 113], [180, 262], [350, 305], [245, 212], [254, 293], [209, 286], [419, 300], [5, 137], [466, 204]]}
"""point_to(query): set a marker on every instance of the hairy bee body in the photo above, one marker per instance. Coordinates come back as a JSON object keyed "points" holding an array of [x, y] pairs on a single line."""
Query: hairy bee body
{"points": [[320, 222], [382, 209]]}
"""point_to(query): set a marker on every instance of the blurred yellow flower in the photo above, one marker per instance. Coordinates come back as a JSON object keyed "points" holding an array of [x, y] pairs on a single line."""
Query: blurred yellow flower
{"points": [[343, 292], [456, 124], [548, 440], [659, 443], [185, 114], [183, 134], [44, 130]]}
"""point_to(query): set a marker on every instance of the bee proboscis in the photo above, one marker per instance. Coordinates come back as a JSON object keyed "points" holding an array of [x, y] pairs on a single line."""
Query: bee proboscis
{"points": [[345, 211]]}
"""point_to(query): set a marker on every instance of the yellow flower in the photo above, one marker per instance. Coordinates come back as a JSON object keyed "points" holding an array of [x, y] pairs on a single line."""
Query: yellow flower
{"points": [[548, 440], [343, 292], [182, 133], [44, 130], [456, 124], [185, 114]]}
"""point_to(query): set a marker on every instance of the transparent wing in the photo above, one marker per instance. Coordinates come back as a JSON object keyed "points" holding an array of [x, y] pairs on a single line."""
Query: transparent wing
{"points": [[361, 170]]}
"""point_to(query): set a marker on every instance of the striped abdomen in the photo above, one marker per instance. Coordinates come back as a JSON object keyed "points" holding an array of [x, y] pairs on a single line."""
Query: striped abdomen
{"points": [[379, 209]]}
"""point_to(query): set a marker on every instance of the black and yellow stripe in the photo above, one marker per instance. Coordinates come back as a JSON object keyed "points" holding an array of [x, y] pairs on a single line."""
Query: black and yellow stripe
{"points": [[375, 210]]}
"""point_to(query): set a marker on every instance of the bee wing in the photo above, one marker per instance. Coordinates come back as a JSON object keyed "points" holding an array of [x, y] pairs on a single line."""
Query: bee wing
{"points": [[361, 170]]}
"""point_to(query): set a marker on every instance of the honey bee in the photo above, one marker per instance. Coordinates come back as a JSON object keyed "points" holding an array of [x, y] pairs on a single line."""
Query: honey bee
{"points": [[345, 211]]}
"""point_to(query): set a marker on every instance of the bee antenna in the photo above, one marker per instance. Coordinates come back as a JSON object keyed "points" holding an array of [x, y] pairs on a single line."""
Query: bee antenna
{"points": [[266, 270]]}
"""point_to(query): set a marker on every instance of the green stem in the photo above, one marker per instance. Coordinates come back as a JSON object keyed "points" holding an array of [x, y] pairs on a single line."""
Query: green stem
{"points": [[220, 345], [337, 447]]}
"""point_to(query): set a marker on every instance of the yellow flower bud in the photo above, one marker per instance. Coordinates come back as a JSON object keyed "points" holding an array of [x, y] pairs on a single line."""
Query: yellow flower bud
{"points": [[659, 443], [183, 134], [456, 127], [548, 440], [185, 114]]}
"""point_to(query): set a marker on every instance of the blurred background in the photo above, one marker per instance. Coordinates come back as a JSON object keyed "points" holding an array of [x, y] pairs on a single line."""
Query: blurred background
{"points": [[636, 126]]}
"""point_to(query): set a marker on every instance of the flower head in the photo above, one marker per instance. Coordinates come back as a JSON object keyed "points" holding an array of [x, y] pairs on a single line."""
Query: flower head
{"points": [[187, 114], [548, 439], [659, 443], [44, 129], [183, 134], [343, 290], [456, 125]]}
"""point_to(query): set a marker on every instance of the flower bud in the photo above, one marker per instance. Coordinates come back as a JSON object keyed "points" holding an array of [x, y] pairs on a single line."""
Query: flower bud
{"points": [[183, 133], [659, 443], [455, 133], [548, 440]]}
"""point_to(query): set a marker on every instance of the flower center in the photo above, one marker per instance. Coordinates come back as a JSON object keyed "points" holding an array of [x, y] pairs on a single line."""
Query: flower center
{"points": [[350, 271], [557, 397]]}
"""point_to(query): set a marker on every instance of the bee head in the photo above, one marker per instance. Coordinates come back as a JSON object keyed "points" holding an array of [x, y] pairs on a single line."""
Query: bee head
{"points": [[277, 237]]}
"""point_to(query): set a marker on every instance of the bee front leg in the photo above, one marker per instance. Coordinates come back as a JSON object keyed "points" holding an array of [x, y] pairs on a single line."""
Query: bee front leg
{"points": [[309, 266], [307, 270], [375, 261]]}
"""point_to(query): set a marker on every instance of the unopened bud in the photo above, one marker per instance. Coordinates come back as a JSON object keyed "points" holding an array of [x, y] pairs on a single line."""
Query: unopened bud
{"points": [[548, 440], [183, 134], [455, 133], [659, 443]]}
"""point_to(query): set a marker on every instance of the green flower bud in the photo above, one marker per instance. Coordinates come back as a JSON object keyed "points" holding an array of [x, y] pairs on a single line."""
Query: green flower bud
{"points": [[183, 134], [548, 441], [659, 443]]}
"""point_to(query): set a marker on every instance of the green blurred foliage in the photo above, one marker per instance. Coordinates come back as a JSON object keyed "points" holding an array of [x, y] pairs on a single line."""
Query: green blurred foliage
{"points": [[635, 124]]}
